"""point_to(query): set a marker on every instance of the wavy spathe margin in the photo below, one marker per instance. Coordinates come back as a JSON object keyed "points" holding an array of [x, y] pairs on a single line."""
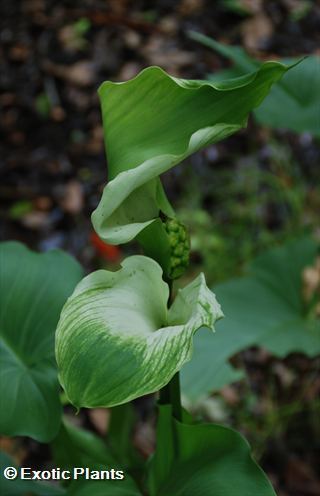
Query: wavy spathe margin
{"points": [[117, 341], [114, 220], [155, 121]]}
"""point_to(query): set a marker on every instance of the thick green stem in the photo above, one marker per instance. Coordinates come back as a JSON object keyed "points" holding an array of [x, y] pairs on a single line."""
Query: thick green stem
{"points": [[170, 394]]}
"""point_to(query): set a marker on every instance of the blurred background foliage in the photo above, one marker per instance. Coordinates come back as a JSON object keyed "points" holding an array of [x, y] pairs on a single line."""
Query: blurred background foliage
{"points": [[260, 201], [255, 191]]}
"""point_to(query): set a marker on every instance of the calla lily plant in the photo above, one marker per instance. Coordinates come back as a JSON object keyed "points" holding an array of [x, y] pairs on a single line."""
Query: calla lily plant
{"points": [[124, 334]]}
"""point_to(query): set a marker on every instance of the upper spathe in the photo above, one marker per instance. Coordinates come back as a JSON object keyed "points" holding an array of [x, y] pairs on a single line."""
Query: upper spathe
{"points": [[153, 122]]}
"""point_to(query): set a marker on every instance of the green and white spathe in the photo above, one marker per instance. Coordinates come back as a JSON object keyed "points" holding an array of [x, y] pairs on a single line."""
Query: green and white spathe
{"points": [[116, 340]]}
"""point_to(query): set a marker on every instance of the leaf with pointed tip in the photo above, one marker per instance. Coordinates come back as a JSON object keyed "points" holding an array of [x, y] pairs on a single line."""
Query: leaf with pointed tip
{"points": [[117, 341], [264, 308], [152, 123], [34, 289], [293, 103], [203, 459]]}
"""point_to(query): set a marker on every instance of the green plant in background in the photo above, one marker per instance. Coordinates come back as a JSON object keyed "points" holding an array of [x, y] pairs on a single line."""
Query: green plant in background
{"points": [[266, 307], [292, 104], [124, 334], [242, 199], [33, 289]]}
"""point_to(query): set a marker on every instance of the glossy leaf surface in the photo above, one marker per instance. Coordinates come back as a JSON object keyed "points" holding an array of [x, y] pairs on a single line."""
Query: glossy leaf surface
{"points": [[34, 288], [117, 341], [203, 459], [153, 122]]}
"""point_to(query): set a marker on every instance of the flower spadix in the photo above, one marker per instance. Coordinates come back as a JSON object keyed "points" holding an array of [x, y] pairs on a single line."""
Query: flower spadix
{"points": [[116, 340]]}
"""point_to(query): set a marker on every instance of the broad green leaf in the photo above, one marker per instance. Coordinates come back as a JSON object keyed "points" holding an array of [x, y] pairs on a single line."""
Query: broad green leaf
{"points": [[293, 103], [75, 447], [265, 308], [203, 459], [23, 487], [34, 288], [117, 341], [153, 122], [209, 369]]}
